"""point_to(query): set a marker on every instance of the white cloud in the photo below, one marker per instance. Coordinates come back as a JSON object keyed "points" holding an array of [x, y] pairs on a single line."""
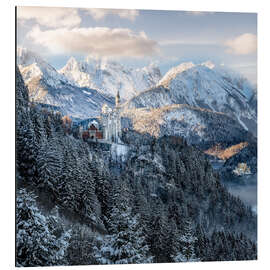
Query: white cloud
{"points": [[52, 17], [243, 44], [199, 13], [196, 13], [190, 41], [100, 13], [101, 41]]}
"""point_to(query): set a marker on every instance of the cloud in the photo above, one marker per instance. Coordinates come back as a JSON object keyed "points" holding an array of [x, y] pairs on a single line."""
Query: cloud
{"points": [[199, 13], [196, 13], [194, 41], [101, 41], [100, 13], [51, 17], [243, 44]]}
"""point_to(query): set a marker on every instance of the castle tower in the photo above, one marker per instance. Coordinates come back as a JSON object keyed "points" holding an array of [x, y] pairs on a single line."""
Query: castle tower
{"points": [[117, 99]]}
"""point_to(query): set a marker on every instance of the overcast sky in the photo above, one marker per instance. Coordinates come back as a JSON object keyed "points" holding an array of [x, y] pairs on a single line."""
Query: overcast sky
{"points": [[140, 37]]}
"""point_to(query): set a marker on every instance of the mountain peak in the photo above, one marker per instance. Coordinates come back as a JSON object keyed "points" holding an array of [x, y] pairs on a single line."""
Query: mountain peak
{"points": [[172, 73], [71, 64], [33, 66], [109, 77], [72, 61], [209, 64]]}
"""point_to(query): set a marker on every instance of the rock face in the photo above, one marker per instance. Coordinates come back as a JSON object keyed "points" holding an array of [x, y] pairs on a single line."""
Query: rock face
{"points": [[109, 77], [47, 86], [203, 86]]}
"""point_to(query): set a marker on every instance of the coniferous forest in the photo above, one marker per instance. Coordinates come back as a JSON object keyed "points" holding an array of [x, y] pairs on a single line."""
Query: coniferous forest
{"points": [[76, 205]]}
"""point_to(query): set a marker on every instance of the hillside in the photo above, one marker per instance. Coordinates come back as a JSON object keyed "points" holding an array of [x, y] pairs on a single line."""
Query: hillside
{"points": [[202, 86], [72, 195], [200, 127]]}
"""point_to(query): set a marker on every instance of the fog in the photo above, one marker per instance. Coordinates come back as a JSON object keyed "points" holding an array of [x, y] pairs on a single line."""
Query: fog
{"points": [[246, 191]]}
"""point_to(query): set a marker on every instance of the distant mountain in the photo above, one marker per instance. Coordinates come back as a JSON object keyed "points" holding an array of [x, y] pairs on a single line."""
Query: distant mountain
{"points": [[47, 86], [203, 86], [201, 127], [32, 66], [108, 76]]}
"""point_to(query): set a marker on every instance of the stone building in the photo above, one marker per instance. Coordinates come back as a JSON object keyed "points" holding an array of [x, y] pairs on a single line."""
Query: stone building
{"points": [[111, 121]]}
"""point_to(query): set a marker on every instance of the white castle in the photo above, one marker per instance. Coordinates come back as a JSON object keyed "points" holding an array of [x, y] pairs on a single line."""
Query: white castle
{"points": [[111, 121]]}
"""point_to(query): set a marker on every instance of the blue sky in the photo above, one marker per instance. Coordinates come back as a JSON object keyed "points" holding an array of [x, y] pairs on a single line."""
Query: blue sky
{"points": [[139, 37]]}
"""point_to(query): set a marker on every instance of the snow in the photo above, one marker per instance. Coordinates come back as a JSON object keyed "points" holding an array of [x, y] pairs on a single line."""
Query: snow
{"points": [[87, 93], [174, 71], [202, 85], [46, 85], [119, 151], [32, 65], [109, 76]]}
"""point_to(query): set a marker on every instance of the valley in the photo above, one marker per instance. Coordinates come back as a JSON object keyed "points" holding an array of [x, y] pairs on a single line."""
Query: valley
{"points": [[102, 146]]}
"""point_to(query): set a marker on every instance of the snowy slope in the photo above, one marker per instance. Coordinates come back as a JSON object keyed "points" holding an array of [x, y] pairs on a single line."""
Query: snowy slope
{"points": [[47, 86], [201, 127], [109, 76], [202, 86], [32, 65]]}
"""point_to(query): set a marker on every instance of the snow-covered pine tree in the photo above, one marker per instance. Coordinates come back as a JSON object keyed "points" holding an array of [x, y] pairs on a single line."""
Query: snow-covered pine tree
{"points": [[37, 119], [82, 243], [126, 244], [26, 150], [68, 183], [88, 199], [36, 245], [62, 234], [187, 241], [157, 232], [50, 165], [103, 190]]}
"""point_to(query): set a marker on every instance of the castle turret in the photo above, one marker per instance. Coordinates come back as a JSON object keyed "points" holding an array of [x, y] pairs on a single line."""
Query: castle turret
{"points": [[117, 99]]}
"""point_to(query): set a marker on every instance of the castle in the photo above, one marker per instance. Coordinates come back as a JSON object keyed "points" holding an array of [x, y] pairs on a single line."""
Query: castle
{"points": [[111, 121], [106, 127]]}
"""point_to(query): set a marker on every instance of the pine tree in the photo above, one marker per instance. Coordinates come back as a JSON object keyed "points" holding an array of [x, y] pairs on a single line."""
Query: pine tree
{"points": [[187, 241], [81, 246], [157, 234], [36, 245], [126, 243], [50, 165], [26, 152], [125, 246]]}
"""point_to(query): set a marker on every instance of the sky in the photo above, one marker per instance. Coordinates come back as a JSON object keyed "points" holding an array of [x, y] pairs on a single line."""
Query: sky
{"points": [[139, 37]]}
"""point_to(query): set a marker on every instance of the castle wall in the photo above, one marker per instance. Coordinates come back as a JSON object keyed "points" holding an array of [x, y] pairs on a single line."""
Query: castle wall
{"points": [[112, 126]]}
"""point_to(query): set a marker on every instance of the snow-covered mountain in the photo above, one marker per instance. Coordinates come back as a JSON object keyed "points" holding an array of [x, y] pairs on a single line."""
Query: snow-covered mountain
{"points": [[32, 66], [200, 127], [109, 76], [81, 88], [202, 86], [46, 85]]}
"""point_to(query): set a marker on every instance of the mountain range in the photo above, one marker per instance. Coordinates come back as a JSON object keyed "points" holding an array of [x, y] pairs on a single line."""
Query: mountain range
{"points": [[201, 102], [47, 86], [203, 86], [109, 76]]}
